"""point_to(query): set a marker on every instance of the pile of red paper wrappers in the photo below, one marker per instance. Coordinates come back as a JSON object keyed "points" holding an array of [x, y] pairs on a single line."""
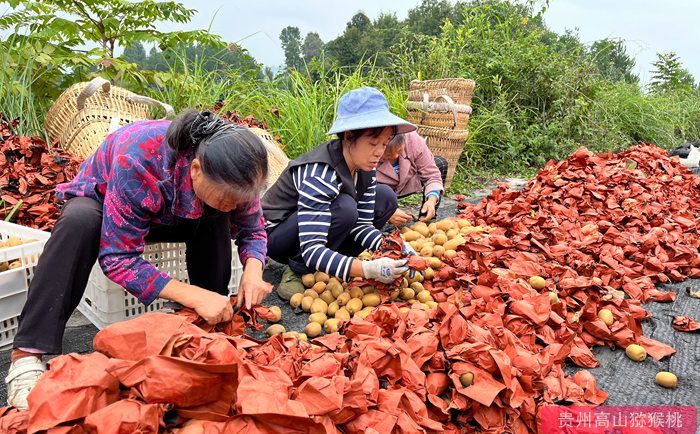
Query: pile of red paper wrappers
{"points": [[29, 171], [601, 229]]}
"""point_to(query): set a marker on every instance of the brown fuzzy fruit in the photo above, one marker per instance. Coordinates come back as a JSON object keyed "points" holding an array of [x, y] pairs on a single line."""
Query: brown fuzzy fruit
{"points": [[606, 316], [343, 299], [356, 292], [319, 305], [306, 303], [424, 296], [274, 329], [308, 280], [439, 238], [537, 282], [467, 379], [667, 379], [371, 300], [295, 301], [354, 305], [342, 314], [322, 277], [277, 312], [332, 308], [335, 289], [311, 293], [313, 329], [412, 236], [327, 296], [636, 352], [331, 325], [319, 287], [407, 294], [318, 317]]}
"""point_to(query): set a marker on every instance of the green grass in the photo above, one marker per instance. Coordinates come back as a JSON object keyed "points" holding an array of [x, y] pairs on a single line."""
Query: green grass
{"points": [[18, 74], [508, 137]]}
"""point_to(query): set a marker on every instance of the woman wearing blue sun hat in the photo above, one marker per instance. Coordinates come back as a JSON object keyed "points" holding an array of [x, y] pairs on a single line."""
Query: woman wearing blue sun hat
{"points": [[326, 207]]}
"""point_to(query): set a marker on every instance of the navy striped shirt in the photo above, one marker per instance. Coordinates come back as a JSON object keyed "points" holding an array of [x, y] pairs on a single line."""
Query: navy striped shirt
{"points": [[318, 185]]}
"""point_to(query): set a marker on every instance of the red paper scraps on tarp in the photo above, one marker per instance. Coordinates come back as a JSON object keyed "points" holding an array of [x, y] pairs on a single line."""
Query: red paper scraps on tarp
{"points": [[13, 421], [126, 416], [144, 336], [57, 399], [180, 382], [30, 169], [593, 228], [685, 324]]}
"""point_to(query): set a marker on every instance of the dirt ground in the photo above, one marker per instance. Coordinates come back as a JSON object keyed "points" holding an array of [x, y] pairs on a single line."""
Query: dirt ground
{"points": [[627, 382]]}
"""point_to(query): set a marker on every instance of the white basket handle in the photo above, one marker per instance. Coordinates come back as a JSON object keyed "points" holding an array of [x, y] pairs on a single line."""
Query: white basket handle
{"points": [[450, 105], [90, 89], [138, 99]]}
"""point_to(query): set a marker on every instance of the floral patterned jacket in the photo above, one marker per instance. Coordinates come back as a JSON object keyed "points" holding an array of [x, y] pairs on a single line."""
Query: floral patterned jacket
{"points": [[141, 180]]}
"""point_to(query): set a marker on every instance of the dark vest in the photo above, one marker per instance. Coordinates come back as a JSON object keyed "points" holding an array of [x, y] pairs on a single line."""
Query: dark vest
{"points": [[281, 199]]}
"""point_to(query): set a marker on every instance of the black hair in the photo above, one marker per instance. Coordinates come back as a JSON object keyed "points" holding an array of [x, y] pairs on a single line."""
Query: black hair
{"points": [[229, 154], [356, 134]]}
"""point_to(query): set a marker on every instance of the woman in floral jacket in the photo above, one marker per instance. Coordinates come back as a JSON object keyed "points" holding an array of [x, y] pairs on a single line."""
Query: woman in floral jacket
{"points": [[194, 180]]}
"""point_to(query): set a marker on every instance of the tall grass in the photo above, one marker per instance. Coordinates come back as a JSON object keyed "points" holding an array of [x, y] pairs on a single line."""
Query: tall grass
{"points": [[298, 107], [18, 74], [307, 103]]}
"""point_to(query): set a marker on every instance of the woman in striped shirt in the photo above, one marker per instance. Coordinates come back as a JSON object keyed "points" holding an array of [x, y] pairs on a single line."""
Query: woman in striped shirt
{"points": [[326, 207]]}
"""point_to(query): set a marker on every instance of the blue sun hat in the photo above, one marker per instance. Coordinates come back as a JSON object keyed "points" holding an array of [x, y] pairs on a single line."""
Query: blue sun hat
{"points": [[366, 107]]}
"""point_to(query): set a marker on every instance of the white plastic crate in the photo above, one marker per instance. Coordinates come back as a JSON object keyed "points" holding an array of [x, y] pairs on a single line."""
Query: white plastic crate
{"points": [[14, 282], [105, 302]]}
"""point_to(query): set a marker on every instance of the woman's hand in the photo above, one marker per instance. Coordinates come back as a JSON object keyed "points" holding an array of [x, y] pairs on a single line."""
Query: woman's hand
{"points": [[213, 307], [428, 209], [253, 289], [400, 217]]}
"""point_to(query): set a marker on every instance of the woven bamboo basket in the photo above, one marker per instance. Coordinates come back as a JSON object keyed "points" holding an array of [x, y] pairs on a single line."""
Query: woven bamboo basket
{"points": [[276, 158], [87, 112], [439, 114], [461, 90], [447, 143]]}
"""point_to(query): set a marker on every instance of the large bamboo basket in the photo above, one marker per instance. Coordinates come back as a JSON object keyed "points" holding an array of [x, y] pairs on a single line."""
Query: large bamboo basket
{"points": [[447, 143], [87, 112], [438, 114], [277, 160], [460, 89]]}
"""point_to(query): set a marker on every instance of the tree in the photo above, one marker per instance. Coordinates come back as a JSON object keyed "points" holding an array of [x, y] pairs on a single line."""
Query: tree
{"points": [[612, 60], [107, 23], [359, 41], [428, 17], [312, 47], [389, 29], [82, 35], [360, 21], [669, 74], [290, 37], [135, 53]]}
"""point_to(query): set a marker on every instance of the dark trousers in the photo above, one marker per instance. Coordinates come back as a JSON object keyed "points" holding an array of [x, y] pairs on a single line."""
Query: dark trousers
{"points": [[283, 239], [71, 251], [441, 164]]}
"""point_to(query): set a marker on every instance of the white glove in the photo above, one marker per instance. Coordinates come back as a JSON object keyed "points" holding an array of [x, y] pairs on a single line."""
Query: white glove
{"points": [[408, 250], [385, 270]]}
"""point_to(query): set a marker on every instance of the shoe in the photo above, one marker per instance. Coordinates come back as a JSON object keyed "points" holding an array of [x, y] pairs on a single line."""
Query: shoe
{"points": [[290, 284], [21, 379]]}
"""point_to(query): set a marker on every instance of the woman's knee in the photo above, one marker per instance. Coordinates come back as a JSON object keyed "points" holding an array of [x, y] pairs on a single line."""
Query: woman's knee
{"points": [[81, 214], [343, 212], [385, 201], [442, 165]]}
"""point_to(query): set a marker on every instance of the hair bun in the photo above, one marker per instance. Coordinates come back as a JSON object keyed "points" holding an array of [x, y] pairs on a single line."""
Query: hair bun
{"points": [[205, 125]]}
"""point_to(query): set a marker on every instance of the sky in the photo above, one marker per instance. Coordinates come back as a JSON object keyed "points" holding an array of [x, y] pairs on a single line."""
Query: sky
{"points": [[646, 26]]}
